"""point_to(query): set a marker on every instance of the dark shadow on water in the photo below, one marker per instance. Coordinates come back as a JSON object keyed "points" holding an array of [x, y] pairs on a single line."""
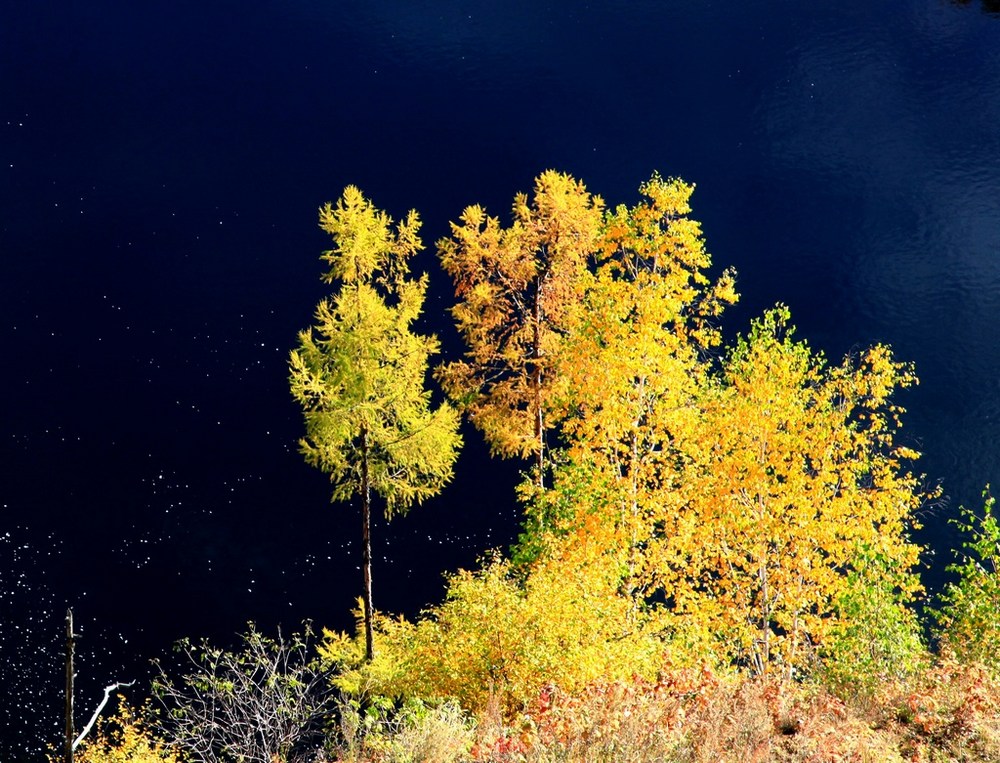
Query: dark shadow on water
{"points": [[989, 7]]}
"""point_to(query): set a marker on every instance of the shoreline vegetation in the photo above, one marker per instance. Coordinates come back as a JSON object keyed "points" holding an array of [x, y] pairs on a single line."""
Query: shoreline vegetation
{"points": [[716, 561]]}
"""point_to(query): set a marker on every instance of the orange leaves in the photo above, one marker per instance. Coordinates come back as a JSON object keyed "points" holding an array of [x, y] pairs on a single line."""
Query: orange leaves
{"points": [[952, 709], [517, 287]]}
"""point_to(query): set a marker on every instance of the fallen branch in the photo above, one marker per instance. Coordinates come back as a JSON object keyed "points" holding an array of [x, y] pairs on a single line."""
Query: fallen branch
{"points": [[97, 712]]}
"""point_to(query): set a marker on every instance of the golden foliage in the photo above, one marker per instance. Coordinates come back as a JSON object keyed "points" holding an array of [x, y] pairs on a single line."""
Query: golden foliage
{"points": [[631, 368], [365, 247], [740, 496], [516, 289], [498, 639], [359, 373], [630, 363], [124, 738], [702, 508], [792, 475]]}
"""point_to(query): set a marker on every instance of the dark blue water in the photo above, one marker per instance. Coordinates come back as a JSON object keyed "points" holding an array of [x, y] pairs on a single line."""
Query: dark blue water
{"points": [[160, 169]]}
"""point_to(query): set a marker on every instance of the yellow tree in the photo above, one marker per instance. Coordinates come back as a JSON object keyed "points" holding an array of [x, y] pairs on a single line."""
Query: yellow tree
{"points": [[516, 288], [792, 480], [631, 365], [359, 374]]}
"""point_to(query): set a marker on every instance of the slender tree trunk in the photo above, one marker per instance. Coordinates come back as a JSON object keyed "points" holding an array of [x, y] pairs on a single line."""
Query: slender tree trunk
{"points": [[536, 382], [633, 523], [765, 596], [366, 547], [765, 620]]}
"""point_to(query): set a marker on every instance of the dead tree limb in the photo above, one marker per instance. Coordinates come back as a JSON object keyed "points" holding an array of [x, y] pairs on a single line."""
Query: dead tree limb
{"points": [[100, 707]]}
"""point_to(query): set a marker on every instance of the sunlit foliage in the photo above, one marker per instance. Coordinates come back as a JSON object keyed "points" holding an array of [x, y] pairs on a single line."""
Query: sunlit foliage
{"points": [[793, 477], [124, 738], [744, 507], [969, 620], [875, 640], [719, 521], [500, 639], [737, 497], [360, 372], [517, 287], [632, 365]]}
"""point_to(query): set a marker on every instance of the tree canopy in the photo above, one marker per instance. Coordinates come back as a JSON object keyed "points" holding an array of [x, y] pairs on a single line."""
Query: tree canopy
{"points": [[719, 501], [517, 289]]}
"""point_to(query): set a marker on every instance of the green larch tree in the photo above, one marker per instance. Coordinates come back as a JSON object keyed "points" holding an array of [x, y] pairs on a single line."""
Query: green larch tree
{"points": [[360, 374]]}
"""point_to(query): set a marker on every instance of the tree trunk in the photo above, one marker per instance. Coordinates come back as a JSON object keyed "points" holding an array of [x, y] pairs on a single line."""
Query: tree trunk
{"points": [[765, 619], [536, 382], [366, 547], [765, 596]]}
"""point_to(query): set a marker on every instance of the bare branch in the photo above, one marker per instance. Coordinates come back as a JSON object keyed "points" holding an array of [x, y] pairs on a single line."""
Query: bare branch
{"points": [[100, 707], [262, 703]]}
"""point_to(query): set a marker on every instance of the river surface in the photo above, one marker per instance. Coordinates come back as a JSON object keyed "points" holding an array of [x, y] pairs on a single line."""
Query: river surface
{"points": [[160, 169]]}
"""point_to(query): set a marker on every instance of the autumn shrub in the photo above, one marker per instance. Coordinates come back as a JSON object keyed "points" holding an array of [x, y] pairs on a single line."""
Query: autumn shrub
{"points": [[948, 713], [792, 469], [738, 496], [628, 721], [439, 733], [377, 719], [384, 732], [763, 718], [265, 702], [124, 738], [875, 640], [500, 638], [733, 721], [687, 715], [969, 618]]}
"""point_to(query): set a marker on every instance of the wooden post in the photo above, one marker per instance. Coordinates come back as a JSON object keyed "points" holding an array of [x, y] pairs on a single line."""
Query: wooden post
{"points": [[70, 645]]}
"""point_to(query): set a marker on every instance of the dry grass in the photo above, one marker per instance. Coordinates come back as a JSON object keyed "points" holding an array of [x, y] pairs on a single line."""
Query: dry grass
{"points": [[950, 713], [417, 733]]}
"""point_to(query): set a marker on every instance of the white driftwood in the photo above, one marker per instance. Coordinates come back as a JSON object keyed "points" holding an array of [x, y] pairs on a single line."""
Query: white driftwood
{"points": [[97, 712]]}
